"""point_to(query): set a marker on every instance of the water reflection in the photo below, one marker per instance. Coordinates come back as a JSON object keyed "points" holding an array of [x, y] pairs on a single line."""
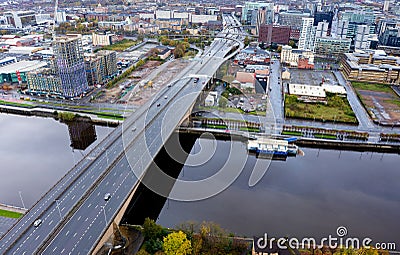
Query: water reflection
{"points": [[35, 153], [306, 196], [82, 134]]}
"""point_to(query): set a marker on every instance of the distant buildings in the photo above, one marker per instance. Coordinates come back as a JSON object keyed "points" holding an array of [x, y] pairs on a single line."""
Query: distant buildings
{"points": [[20, 19], [103, 39], [270, 34]]}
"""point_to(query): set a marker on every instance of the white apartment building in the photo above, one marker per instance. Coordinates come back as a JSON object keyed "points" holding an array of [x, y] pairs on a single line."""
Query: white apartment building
{"points": [[307, 34]]}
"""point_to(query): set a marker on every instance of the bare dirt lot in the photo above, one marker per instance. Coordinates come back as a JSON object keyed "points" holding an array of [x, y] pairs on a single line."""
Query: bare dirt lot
{"points": [[381, 102], [384, 106], [143, 83]]}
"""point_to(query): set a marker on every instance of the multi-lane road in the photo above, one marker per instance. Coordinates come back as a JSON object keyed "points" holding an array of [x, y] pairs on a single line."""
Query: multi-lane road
{"points": [[74, 213]]}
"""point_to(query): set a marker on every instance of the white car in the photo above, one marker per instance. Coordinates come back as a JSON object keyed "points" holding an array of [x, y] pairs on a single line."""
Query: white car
{"points": [[107, 196], [37, 222]]}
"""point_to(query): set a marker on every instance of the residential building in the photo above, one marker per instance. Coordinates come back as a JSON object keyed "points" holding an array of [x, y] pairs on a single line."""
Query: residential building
{"points": [[343, 26], [270, 34], [70, 66], [101, 67], [356, 18], [324, 16], [322, 29], [103, 39], [372, 66], [290, 56], [45, 82], [250, 6], [330, 46], [61, 17], [307, 34], [390, 37], [361, 40], [293, 19]]}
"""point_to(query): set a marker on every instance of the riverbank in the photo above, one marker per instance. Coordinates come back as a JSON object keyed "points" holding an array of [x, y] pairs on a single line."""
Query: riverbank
{"points": [[10, 211], [105, 120], [301, 141]]}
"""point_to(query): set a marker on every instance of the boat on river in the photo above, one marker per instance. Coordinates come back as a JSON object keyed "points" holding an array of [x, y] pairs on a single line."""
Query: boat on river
{"points": [[272, 147]]}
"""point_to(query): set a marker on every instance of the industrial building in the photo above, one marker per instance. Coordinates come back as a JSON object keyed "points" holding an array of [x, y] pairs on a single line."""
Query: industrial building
{"points": [[17, 71]]}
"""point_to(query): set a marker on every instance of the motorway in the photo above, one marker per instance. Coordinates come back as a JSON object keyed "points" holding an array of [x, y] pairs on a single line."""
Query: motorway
{"points": [[74, 214]]}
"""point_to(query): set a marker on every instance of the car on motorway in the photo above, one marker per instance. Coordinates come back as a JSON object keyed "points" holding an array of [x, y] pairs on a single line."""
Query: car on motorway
{"points": [[37, 223], [107, 196], [133, 129], [158, 105], [196, 80], [166, 97], [169, 85]]}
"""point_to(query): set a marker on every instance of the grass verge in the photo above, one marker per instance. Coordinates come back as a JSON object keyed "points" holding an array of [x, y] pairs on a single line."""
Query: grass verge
{"points": [[9, 214]]}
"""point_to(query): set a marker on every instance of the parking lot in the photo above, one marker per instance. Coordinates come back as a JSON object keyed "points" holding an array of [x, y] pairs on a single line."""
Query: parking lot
{"points": [[311, 77]]}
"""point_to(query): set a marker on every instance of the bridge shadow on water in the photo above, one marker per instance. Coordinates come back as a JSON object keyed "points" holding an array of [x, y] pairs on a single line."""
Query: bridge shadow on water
{"points": [[171, 158]]}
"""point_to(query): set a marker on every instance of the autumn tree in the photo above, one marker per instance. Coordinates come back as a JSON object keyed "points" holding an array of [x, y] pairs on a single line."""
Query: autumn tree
{"points": [[179, 51], [177, 244]]}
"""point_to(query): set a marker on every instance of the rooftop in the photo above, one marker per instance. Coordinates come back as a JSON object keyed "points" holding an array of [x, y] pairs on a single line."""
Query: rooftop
{"points": [[22, 66]]}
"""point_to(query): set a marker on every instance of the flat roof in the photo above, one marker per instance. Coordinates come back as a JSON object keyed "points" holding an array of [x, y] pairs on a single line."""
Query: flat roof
{"points": [[22, 66]]}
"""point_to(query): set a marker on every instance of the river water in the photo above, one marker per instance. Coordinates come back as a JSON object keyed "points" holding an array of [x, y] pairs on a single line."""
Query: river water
{"points": [[305, 196], [35, 153]]}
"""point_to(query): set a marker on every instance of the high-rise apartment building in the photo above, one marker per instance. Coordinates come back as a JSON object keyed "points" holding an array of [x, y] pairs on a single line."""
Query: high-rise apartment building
{"points": [[70, 66], [307, 34]]}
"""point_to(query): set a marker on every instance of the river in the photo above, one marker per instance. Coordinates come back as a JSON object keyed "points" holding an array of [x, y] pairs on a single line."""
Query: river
{"points": [[35, 153], [305, 196]]}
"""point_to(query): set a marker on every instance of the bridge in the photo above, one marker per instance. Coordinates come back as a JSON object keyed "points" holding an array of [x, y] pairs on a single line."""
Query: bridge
{"points": [[75, 217]]}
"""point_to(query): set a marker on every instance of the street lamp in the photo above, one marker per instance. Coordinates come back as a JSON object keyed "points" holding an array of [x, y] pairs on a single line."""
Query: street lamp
{"points": [[104, 210], [22, 201], [58, 207]]}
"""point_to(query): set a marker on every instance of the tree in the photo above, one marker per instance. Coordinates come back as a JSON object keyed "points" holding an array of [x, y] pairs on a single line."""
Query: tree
{"points": [[292, 43], [177, 244], [246, 41], [151, 230], [179, 51], [223, 102]]}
